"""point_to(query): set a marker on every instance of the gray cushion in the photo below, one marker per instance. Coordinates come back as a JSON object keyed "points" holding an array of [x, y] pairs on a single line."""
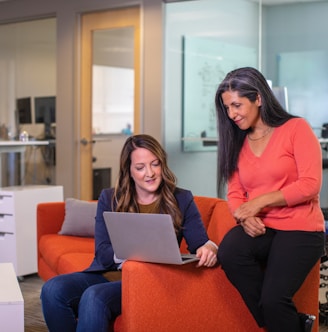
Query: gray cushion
{"points": [[79, 218]]}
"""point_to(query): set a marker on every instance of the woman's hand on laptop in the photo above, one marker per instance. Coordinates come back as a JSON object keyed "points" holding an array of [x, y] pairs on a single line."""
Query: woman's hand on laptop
{"points": [[207, 254]]}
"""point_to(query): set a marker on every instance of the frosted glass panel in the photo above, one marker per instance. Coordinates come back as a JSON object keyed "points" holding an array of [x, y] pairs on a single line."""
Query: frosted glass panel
{"points": [[113, 81], [307, 88], [206, 62], [113, 99]]}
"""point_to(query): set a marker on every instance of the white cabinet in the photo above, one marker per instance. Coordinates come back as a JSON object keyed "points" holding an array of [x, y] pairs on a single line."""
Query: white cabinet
{"points": [[18, 243], [11, 301]]}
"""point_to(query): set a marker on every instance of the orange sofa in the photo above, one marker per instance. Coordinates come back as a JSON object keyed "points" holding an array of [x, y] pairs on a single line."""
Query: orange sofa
{"points": [[159, 297]]}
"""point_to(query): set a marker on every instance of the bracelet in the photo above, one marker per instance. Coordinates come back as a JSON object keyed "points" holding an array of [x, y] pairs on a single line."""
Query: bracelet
{"points": [[214, 244]]}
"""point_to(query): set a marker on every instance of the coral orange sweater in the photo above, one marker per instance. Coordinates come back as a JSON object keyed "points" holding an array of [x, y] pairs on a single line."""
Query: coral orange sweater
{"points": [[291, 163]]}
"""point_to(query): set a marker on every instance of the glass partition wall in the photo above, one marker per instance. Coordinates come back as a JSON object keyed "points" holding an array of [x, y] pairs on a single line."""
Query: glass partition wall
{"points": [[204, 39], [28, 98]]}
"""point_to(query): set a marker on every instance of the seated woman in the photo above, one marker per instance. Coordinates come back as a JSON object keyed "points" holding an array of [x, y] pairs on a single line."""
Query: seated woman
{"points": [[272, 162], [89, 300]]}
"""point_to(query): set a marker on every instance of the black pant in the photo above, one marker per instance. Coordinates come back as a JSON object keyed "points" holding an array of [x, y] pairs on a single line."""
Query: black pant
{"points": [[268, 270]]}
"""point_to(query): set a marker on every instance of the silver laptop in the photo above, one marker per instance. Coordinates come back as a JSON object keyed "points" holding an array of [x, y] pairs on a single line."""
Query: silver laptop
{"points": [[145, 237]]}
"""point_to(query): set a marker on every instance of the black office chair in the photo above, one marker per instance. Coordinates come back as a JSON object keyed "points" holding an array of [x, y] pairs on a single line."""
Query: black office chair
{"points": [[324, 134], [324, 131]]}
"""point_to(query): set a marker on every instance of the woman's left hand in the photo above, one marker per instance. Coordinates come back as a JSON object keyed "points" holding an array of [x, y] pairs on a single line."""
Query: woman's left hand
{"points": [[246, 210], [207, 255], [257, 204]]}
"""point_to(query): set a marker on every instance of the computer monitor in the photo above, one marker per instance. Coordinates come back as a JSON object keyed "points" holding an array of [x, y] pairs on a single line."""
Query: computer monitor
{"points": [[45, 112], [23, 107], [281, 94]]}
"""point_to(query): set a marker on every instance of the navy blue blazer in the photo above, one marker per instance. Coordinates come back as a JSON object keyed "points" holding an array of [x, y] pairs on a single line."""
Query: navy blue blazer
{"points": [[192, 230]]}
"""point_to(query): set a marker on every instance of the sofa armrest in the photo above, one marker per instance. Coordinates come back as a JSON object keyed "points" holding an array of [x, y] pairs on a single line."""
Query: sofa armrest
{"points": [[216, 217], [158, 297], [221, 221], [49, 218], [306, 298]]}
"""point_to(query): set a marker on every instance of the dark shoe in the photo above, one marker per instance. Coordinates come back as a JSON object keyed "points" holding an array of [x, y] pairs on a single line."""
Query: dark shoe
{"points": [[307, 322]]}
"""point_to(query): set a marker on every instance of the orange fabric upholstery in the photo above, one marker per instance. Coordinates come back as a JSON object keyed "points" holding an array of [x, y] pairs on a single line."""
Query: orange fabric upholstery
{"points": [[59, 254], [159, 297], [185, 298]]}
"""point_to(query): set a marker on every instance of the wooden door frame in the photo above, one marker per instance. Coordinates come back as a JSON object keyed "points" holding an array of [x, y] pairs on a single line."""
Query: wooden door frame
{"points": [[115, 18]]}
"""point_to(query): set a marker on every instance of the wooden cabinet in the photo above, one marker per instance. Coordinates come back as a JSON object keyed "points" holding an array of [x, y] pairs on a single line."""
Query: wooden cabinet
{"points": [[18, 224]]}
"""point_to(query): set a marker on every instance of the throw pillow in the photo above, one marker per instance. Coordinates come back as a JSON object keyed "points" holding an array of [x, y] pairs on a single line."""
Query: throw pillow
{"points": [[79, 218]]}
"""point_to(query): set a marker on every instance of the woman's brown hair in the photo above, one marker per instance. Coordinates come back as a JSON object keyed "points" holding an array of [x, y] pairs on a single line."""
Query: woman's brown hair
{"points": [[124, 198]]}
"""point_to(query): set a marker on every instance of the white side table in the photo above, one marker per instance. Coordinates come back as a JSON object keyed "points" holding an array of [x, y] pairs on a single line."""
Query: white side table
{"points": [[11, 300]]}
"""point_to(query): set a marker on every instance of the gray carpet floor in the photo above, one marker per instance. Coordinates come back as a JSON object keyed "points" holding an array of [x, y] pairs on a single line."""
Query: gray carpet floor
{"points": [[33, 319]]}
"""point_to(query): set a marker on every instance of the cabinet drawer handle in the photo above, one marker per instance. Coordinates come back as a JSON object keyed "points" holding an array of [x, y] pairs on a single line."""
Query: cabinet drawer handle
{"points": [[3, 215], [2, 234]]}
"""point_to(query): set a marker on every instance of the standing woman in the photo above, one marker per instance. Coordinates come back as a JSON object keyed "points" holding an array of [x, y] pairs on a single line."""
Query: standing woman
{"points": [[88, 301], [271, 161]]}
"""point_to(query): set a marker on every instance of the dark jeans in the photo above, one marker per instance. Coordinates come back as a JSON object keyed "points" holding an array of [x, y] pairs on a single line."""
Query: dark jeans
{"points": [[268, 270], [84, 302]]}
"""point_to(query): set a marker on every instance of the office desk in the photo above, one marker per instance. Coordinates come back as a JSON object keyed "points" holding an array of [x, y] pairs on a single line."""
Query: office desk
{"points": [[212, 141], [323, 140], [19, 147]]}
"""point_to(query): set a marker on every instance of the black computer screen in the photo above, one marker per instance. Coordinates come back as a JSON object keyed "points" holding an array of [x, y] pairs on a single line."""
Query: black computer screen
{"points": [[45, 109], [23, 106]]}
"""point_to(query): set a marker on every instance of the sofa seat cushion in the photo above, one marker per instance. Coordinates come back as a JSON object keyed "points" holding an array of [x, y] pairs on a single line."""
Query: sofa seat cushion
{"points": [[53, 247], [75, 261]]}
